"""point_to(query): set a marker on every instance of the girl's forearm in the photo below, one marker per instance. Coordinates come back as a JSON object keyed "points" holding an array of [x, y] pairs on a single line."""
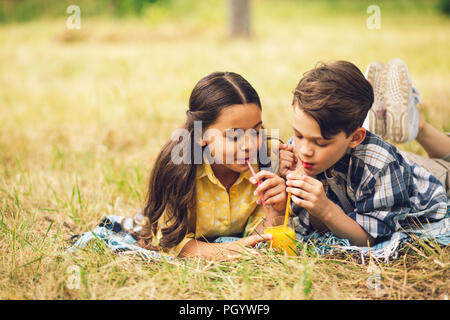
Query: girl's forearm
{"points": [[345, 227], [197, 248]]}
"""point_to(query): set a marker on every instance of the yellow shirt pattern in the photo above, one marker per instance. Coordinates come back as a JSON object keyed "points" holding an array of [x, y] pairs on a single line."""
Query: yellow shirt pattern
{"points": [[221, 213]]}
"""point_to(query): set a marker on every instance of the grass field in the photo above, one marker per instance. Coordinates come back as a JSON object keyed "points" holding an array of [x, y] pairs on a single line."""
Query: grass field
{"points": [[84, 112]]}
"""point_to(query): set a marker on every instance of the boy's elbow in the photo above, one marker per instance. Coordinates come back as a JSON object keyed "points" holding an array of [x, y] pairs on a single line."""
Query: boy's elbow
{"points": [[369, 241]]}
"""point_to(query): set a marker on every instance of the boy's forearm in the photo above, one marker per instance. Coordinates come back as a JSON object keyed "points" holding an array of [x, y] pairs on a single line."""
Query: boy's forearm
{"points": [[345, 227]]}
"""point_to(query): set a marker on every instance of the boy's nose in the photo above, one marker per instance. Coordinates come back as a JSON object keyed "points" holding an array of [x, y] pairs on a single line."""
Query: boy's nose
{"points": [[305, 150]]}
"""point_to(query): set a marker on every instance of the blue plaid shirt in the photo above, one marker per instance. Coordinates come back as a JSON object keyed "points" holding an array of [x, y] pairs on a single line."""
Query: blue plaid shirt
{"points": [[380, 189]]}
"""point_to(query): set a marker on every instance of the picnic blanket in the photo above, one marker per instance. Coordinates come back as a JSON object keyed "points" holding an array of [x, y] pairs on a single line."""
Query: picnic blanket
{"points": [[116, 232]]}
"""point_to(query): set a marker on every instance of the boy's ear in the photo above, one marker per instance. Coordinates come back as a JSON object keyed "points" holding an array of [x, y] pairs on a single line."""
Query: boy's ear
{"points": [[357, 137]]}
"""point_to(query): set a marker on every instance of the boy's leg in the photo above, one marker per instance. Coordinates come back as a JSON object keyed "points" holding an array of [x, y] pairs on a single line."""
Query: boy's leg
{"points": [[402, 115], [440, 168], [395, 96], [393, 115], [435, 142], [376, 117]]}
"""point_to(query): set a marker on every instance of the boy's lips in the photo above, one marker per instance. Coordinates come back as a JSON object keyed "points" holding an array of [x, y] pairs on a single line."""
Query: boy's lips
{"points": [[307, 165]]}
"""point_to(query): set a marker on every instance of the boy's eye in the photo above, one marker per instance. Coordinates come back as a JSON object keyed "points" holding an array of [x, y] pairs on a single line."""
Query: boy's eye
{"points": [[321, 144]]}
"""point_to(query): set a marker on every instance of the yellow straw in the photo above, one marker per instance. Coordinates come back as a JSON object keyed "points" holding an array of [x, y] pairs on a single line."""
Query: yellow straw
{"points": [[286, 213]]}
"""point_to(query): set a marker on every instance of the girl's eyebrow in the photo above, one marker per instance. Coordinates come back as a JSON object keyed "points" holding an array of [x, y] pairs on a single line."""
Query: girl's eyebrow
{"points": [[254, 127]]}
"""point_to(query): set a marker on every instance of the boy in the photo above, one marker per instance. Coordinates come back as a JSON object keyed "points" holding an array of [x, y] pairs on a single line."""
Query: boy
{"points": [[353, 183]]}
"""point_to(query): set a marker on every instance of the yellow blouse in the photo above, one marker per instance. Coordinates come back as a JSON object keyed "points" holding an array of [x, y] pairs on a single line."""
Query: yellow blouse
{"points": [[220, 213]]}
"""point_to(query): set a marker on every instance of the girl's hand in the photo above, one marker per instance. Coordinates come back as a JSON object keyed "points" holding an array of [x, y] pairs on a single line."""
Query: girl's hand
{"points": [[288, 160], [235, 250], [308, 192], [252, 240], [223, 251], [272, 190]]}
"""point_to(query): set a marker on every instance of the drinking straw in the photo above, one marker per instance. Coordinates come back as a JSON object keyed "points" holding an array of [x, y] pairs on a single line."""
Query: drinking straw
{"points": [[269, 220], [286, 213]]}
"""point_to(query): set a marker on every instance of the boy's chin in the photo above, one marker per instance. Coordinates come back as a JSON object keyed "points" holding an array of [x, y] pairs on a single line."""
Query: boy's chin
{"points": [[313, 171]]}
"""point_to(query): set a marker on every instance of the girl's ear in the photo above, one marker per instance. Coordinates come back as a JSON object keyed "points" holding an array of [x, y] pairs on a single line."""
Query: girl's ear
{"points": [[357, 137], [201, 141]]}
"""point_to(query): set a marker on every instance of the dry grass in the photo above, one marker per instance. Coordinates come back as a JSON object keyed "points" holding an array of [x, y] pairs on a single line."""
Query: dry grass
{"points": [[84, 114]]}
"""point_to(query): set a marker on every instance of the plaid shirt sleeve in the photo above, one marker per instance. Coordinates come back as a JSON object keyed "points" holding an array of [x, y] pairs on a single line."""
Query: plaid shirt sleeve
{"points": [[301, 220], [397, 199], [393, 198]]}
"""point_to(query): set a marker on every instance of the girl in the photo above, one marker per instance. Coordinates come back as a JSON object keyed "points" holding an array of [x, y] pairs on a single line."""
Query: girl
{"points": [[188, 204]]}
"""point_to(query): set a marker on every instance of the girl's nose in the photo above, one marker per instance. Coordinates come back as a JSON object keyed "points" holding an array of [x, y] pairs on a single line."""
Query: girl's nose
{"points": [[253, 141], [249, 144]]}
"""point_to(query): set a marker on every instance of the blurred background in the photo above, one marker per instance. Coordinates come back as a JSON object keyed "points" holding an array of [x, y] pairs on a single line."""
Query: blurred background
{"points": [[93, 105]]}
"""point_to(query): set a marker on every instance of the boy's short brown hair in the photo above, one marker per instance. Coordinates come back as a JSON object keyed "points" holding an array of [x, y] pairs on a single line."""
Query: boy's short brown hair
{"points": [[336, 95]]}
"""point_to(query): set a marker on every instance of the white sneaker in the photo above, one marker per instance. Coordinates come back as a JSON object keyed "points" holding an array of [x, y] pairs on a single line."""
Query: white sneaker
{"points": [[414, 115], [402, 116], [376, 117]]}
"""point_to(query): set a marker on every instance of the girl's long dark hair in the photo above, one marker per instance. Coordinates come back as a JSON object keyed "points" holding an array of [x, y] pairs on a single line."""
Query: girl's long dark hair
{"points": [[172, 187]]}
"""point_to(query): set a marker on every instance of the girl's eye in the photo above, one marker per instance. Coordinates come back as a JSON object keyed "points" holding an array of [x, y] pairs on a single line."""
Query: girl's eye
{"points": [[236, 135], [233, 135], [255, 133]]}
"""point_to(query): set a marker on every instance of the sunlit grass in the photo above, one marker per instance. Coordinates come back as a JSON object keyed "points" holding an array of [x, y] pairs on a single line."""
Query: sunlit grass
{"points": [[85, 112]]}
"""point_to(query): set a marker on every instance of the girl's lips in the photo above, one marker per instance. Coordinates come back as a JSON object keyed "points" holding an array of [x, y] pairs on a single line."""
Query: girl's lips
{"points": [[243, 161]]}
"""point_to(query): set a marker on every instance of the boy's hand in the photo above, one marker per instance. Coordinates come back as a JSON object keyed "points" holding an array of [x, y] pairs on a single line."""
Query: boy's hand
{"points": [[288, 160], [308, 192], [272, 190]]}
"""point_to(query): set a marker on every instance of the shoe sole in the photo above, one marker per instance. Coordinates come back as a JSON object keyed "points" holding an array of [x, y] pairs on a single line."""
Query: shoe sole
{"points": [[397, 88], [376, 115]]}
